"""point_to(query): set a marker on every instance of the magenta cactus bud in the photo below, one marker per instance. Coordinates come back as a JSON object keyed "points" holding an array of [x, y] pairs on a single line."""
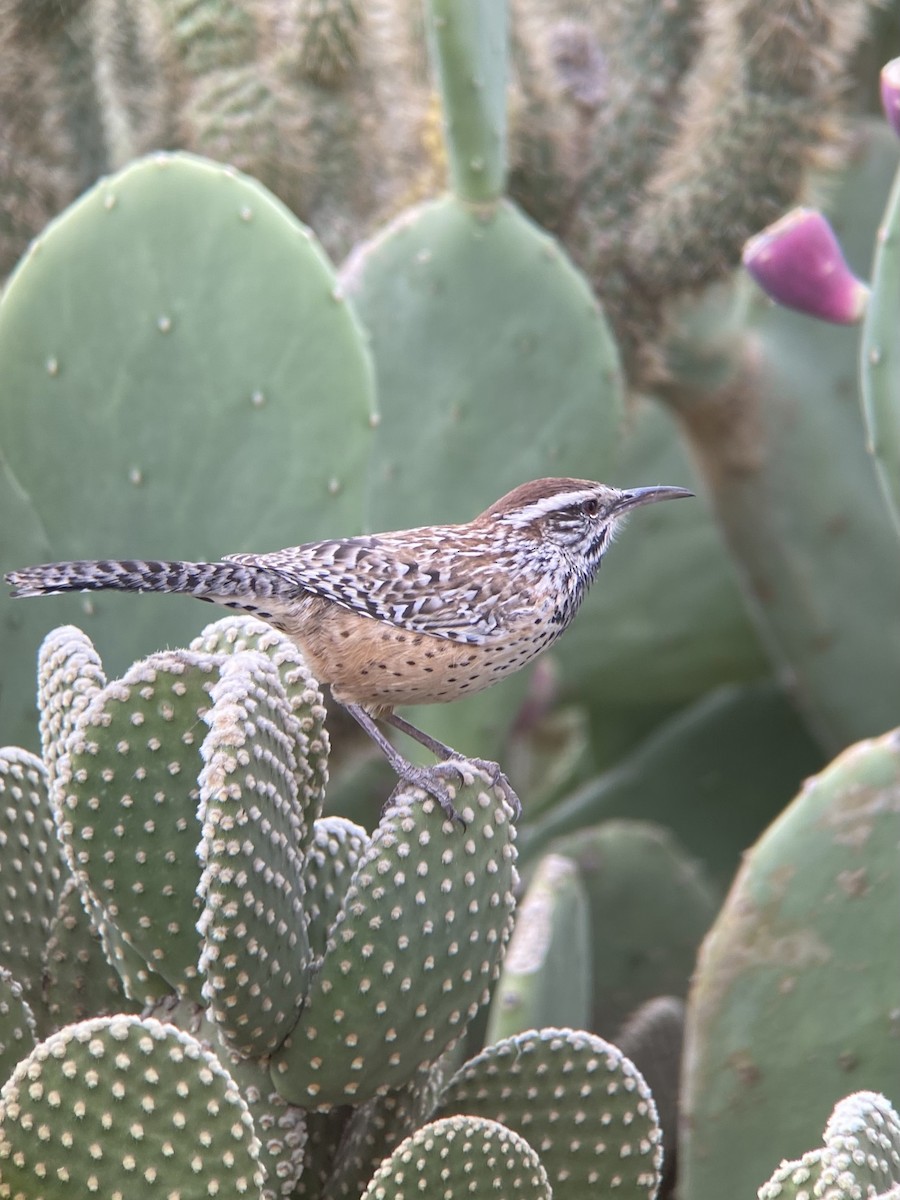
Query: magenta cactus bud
{"points": [[890, 93], [798, 263]]}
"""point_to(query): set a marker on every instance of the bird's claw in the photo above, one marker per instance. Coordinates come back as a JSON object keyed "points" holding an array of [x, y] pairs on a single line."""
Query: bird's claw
{"points": [[430, 780], [498, 779]]}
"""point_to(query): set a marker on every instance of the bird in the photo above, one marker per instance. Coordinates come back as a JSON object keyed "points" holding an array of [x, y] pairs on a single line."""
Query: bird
{"points": [[412, 616]]}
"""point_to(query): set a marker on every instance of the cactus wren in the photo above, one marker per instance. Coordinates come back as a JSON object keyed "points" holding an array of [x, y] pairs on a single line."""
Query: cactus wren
{"points": [[417, 616]]}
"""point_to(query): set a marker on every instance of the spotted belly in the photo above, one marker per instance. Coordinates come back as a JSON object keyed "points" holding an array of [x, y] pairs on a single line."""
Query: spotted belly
{"points": [[377, 665]]}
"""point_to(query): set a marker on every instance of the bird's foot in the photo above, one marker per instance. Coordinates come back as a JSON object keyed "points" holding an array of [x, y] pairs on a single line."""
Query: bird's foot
{"points": [[431, 780], [462, 765]]}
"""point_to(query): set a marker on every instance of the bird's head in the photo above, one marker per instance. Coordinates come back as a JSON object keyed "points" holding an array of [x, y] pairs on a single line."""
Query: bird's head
{"points": [[577, 515]]}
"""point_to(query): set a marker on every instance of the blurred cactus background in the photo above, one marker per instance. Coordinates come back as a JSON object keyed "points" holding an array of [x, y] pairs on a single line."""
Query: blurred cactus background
{"points": [[278, 270]]}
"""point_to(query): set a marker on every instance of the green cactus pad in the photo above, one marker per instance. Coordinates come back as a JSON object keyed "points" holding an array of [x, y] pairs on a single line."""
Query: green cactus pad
{"points": [[30, 868], [663, 905], [70, 674], [541, 376], [803, 538], [879, 368], [121, 1099], [280, 1127], [862, 1142], [255, 955], [413, 952], [181, 334], [140, 983], [461, 1157], [546, 976], [468, 48], [18, 1028], [128, 817], [860, 1157], [580, 1102], [230, 635], [653, 1037], [335, 850], [79, 981], [794, 992], [377, 1127]]}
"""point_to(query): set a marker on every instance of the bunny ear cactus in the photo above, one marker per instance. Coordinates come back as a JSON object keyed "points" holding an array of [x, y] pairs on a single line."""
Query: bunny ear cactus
{"points": [[18, 1028], [600, 1132], [456, 1154], [30, 875], [243, 797], [412, 953], [128, 808], [860, 1156], [124, 1097]]}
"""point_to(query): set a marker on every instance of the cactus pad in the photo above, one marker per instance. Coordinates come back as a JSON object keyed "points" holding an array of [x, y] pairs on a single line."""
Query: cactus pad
{"points": [[460, 1157], [860, 1156], [546, 974], [578, 1100], [70, 674], [377, 1127], [128, 817], [117, 1099], [30, 868], [18, 1029], [256, 955], [78, 981], [176, 305], [878, 356], [413, 952], [233, 634], [335, 850], [795, 987]]}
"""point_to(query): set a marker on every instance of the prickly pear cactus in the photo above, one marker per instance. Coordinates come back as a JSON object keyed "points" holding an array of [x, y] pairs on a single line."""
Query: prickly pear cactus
{"points": [[30, 870], [548, 971], [663, 903], [860, 1155], [120, 1098], [879, 369], [455, 1155], [213, 319], [18, 1027], [256, 956], [127, 814], [600, 1134], [771, 1037], [412, 953]]}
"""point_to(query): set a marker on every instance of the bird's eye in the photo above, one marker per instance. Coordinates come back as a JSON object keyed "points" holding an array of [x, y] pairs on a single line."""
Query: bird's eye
{"points": [[591, 507]]}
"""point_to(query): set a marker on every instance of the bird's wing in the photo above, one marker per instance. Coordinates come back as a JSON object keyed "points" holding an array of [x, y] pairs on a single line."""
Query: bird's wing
{"points": [[414, 584]]}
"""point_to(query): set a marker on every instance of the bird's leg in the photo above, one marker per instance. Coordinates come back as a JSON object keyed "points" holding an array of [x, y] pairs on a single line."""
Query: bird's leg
{"points": [[427, 778], [443, 751], [438, 749]]}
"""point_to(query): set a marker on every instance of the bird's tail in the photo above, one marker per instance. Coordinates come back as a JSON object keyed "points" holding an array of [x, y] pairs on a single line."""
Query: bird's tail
{"points": [[235, 585]]}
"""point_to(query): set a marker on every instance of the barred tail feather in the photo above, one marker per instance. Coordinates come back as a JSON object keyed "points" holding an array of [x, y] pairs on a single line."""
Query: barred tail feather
{"points": [[235, 585]]}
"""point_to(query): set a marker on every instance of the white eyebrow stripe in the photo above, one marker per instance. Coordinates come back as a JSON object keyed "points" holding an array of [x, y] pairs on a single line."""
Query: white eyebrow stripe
{"points": [[547, 505]]}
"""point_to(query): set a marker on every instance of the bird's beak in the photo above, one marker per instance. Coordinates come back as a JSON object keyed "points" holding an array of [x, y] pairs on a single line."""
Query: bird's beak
{"points": [[635, 497]]}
